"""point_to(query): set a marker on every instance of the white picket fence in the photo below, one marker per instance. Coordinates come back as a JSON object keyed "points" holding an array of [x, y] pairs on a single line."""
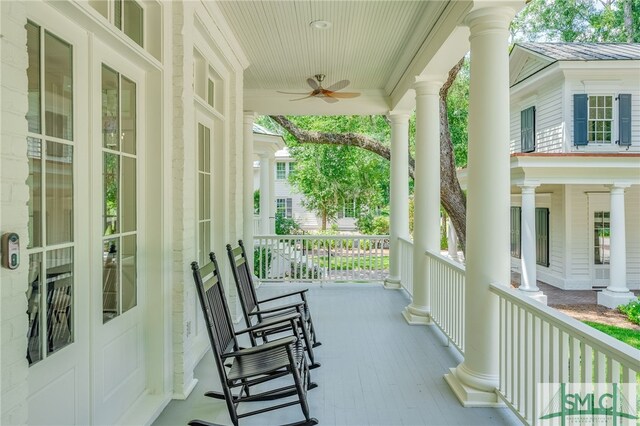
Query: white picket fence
{"points": [[321, 258]]}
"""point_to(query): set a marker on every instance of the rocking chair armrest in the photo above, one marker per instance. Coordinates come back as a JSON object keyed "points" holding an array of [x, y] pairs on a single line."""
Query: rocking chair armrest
{"points": [[285, 341], [289, 306], [281, 296], [270, 322]]}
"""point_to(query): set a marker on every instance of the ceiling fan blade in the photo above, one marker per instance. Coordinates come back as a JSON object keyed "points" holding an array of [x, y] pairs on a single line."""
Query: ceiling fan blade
{"points": [[299, 99], [339, 85], [343, 95], [312, 83], [293, 93], [329, 99]]}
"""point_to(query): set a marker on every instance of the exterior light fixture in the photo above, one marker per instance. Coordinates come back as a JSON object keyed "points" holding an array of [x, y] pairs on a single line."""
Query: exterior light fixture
{"points": [[320, 25]]}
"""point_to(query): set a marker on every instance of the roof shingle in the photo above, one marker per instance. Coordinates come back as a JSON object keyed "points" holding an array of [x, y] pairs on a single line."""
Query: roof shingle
{"points": [[585, 51]]}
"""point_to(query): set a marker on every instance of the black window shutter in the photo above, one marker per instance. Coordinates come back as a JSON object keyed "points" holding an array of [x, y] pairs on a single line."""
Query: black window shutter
{"points": [[528, 129], [580, 119], [624, 119]]}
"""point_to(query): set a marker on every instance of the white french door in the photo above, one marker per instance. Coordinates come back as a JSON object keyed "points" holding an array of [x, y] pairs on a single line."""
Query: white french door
{"points": [[599, 238], [118, 305], [58, 291]]}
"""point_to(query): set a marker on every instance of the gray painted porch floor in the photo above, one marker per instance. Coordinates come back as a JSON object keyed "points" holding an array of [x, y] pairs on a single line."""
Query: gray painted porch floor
{"points": [[376, 369]]}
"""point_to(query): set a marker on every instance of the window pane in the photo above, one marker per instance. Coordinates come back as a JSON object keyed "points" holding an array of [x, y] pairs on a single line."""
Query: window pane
{"points": [[602, 238], [129, 195], [129, 262], [33, 76], [133, 22], [128, 116], [210, 92], [201, 149], [110, 280], [608, 101], [205, 196], [34, 309], [110, 118], [34, 181], [59, 193], [111, 182], [205, 242], [117, 14], [58, 83], [280, 170], [59, 299]]}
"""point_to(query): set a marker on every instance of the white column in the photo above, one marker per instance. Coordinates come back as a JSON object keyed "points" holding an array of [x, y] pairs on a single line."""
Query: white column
{"points": [[487, 254], [528, 282], [272, 195], [617, 293], [426, 197], [265, 195], [399, 211], [452, 241], [247, 185]]}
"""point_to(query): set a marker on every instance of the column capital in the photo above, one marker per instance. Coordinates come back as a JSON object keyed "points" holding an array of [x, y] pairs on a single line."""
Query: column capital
{"points": [[398, 117], [495, 16], [529, 187], [427, 86], [619, 187]]}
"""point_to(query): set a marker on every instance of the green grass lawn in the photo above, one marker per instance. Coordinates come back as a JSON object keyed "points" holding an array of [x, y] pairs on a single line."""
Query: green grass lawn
{"points": [[350, 263], [628, 336]]}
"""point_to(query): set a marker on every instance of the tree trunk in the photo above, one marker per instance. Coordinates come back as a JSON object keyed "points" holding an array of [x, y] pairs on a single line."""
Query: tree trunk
{"points": [[453, 199], [628, 20], [324, 220]]}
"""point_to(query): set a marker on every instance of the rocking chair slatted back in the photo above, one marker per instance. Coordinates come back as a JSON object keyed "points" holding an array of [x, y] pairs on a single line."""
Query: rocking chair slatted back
{"points": [[242, 276], [212, 299]]}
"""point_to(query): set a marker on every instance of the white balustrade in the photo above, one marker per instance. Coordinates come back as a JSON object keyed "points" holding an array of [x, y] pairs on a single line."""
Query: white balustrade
{"points": [[406, 264], [539, 344], [257, 225], [321, 258], [447, 280]]}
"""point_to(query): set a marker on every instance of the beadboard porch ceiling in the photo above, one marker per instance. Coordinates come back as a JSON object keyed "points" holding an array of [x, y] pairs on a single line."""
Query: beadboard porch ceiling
{"points": [[380, 46]]}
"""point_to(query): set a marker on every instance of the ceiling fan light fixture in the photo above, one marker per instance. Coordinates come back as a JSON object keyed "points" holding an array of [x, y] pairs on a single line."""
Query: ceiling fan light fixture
{"points": [[320, 24]]}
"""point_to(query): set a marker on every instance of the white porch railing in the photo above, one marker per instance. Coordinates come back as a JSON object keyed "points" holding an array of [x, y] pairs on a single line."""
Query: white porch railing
{"points": [[321, 258], [257, 225], [447, 280], [538, 344], [406, 264]]}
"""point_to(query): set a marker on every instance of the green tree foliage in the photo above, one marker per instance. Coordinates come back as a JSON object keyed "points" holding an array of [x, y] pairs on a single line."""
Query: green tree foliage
{"points": [[458, 115], [329, 176], [578, 21]]}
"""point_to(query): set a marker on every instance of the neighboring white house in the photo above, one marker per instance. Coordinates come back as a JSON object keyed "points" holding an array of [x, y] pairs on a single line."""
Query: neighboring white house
{"points": [[289, 202], [575, 144]]}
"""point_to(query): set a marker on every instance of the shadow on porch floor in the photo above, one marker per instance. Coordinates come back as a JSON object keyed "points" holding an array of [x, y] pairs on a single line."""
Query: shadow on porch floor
{"points": [[376, 370]]}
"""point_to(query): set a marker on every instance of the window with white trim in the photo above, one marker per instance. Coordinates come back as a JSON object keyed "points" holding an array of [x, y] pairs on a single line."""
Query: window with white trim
{"points": [[284, 207], [600, 119], [284, 169], [601, 238]]}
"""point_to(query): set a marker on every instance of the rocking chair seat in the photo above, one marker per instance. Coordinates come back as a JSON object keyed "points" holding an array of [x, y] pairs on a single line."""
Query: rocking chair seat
{"points": [[271, 357]]}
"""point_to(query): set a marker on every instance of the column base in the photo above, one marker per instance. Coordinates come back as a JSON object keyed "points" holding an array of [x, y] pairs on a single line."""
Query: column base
{"points": [[535, 295], [417, 315], [469, 396], [613, 299], [392, 283]]}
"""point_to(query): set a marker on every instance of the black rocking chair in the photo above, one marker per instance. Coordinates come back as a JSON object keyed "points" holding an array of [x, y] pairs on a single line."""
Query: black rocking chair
{"points": [[252, 308], [249, 367]]}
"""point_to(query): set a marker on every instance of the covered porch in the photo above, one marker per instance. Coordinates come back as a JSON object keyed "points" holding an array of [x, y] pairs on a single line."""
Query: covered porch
{"points": [[375, 370]]}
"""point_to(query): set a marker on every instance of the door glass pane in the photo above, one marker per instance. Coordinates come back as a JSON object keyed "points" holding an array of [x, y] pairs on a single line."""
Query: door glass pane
{"points": [[33, 76], [34, 181], [110, 117], [128, 116], [205, 242], [128, 194], [133, 23], [602, 238], [59, 193], [34, 309], [117, 13], [128, 261], [58, 84], [59, 298], [110, 280], [111, 184]]}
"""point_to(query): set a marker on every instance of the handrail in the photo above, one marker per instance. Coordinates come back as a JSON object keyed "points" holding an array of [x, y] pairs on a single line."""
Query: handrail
{"points": [[447, 289], [405, 247], [324, 237], [541, 345]]}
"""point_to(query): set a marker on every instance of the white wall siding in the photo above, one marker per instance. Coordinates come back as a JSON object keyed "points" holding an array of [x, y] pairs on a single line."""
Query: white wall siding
{"points": [[556, 233], [578, 223], [632, 222], [14, 194], [548, 121]]}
